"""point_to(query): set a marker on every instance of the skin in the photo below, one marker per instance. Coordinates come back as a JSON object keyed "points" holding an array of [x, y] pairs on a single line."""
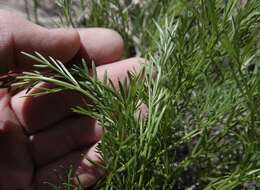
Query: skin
{"points": [[40, 137]]}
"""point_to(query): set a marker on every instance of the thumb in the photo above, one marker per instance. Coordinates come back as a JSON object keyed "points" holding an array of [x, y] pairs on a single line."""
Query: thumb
{"points": [[18, 34]]}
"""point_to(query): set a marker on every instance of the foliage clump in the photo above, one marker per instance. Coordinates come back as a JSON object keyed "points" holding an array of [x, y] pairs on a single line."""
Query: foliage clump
{"points": [[201, 130]]}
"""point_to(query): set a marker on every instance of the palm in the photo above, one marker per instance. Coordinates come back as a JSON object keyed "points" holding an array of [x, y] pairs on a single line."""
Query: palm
{"points": [[40, 149], [15, 161], [40, 137]]}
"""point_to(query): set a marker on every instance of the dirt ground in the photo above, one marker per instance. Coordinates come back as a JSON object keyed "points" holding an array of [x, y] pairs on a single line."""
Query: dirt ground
{"points": [[47, 13]]}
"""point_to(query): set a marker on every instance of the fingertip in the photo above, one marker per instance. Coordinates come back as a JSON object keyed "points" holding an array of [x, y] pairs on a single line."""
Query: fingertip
{"points": [[101, 45], [98, 132], [118, 70], [88, 173]]}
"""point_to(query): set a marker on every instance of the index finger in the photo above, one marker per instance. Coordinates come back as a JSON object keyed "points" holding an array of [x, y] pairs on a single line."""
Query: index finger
{"points": [[18, 34]]}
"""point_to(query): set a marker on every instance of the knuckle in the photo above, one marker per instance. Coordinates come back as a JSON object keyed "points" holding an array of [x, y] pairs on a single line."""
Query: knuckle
{"points": [[5, 32], [8, 19], [5, 15], [6, 42]]}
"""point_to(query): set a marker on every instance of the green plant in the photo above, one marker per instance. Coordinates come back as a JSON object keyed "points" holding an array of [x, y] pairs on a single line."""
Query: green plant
{"points": [[201, 130]]}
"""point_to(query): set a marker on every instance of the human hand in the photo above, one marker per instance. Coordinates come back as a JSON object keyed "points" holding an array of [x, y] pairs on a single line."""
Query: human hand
{"points": [[40, 137]]}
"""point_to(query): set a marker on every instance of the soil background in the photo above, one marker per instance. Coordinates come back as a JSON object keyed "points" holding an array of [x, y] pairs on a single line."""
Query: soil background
{"points": [[47, 10]]}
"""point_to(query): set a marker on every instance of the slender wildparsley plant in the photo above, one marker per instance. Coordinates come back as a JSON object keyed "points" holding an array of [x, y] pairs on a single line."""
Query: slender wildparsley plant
{"points": [[201, 130]]}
